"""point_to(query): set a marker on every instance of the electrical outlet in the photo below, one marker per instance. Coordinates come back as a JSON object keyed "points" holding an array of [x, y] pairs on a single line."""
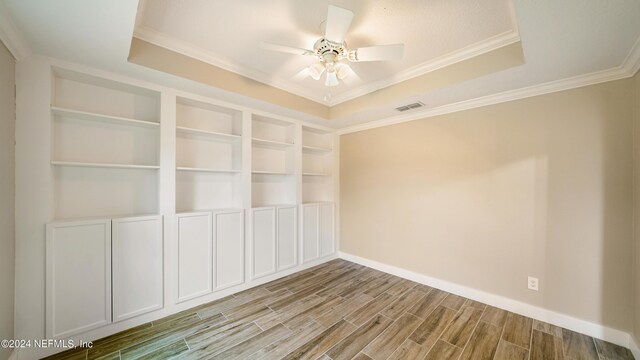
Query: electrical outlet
{"points": [[532, 283]]}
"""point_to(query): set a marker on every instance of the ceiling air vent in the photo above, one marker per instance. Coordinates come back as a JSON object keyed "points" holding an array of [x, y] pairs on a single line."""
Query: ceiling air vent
{"points": [[410, 106]]}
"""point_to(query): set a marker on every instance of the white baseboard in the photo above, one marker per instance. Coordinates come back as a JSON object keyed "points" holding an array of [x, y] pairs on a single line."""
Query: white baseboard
{"points": [[634, 346], [615, 336]]}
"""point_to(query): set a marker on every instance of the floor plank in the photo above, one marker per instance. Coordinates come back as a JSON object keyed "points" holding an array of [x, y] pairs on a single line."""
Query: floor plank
{"points": [[321, 343], [453, 302], [508, 351], [167, 352], [429, 331], [409, 350], [254, 344], [578, 346], [444, 351], [609, 351], [284, 346], [402, 303], [547, 328], [462, 326], [423, 308], [545, 346], [494, 316], [483, 343], [359, 339], [517, 330], [391, 338], [370, 309]]}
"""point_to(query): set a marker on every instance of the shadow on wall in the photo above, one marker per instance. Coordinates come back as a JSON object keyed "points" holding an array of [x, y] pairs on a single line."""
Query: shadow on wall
{"points": [[484, 198]]}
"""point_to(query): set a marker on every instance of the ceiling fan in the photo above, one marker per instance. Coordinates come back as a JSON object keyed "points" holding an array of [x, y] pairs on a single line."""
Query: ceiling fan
{"points": [[331, 49]]}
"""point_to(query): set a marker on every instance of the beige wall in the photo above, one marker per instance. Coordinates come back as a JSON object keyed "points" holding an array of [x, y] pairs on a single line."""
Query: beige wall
{"points": [[636, 207], [483, 198], [7, 166]]}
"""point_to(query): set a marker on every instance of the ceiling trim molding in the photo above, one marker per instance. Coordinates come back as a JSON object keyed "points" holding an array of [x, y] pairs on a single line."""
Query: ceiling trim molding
{"points": [[468, 52], [159, 39], [495, 42], [11, 37], [632, 62], [594, 78]]}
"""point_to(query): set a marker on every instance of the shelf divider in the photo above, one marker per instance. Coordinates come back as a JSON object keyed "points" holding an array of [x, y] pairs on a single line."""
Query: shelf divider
{"points": [[83, 115]]}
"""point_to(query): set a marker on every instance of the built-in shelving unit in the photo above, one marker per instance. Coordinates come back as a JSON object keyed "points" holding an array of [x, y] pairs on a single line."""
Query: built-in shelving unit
{"points": [[273, 162], [317, 165], [105, 147], [208, 156], [154, 197]]}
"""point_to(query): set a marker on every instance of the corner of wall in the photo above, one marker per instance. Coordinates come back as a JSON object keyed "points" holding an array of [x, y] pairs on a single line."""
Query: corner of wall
{"points": [[636, 211]]}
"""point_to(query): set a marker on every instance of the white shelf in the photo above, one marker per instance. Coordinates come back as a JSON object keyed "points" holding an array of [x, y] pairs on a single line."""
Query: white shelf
{"points": [[261, 172], [271, 143], [103, 165], [314, 174], [83, 115], [230, 171], [213, 134], [315, 149]]}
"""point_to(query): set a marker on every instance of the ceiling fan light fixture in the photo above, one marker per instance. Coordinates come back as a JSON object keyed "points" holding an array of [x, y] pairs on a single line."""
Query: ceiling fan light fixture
{"points": [[342, 70], [316, 70], [332, 79]]}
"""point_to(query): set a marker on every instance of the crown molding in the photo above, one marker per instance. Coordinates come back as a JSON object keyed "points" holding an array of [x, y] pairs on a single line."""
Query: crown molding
{"points": [[495, 42], [11, 37], [157, 38], [598, 77], [632, 62], [468, 52]]}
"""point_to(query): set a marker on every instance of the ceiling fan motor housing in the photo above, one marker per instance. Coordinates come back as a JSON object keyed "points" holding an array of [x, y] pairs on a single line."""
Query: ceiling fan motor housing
{"points": [[330, 51]]}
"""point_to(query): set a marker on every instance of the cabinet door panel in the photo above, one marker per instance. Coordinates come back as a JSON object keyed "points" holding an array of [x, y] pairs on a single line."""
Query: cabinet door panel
{"points": [[287, 237], [78, 277], [264, 242], [310, 231], [137, 266], [195, 255], [327, 238], [229, 249]]}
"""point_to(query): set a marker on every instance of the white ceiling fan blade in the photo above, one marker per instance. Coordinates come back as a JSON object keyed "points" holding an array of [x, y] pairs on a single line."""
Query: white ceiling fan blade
{"points": [[285, 49], [338, 22], [301, 75], [377, 53]]}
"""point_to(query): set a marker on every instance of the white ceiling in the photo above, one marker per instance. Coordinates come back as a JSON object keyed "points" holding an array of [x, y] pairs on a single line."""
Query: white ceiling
{"points": [[560, 39], [228, 34]]}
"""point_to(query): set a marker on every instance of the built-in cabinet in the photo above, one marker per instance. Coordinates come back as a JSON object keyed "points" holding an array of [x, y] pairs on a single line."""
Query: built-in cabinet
{"points": [[160, 197], [274, 239], [136, 262], [210, 252], [102, 271], [317, 230], [78, 267], [195, 255]]}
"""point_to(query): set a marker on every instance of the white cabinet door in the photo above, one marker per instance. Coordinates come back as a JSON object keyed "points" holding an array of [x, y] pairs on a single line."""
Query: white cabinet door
{"points": [[195, 255], [327, 238], [263, 247], [229, 248], [78, 277], [310, 232], [137, 266], [287, 237]]}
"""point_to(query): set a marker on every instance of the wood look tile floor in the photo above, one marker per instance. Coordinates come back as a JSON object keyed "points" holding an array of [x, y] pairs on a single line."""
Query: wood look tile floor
{"points": [[341, 310]]}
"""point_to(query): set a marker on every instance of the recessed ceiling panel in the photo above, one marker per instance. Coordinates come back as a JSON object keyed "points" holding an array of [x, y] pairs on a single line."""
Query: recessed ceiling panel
{"points": [[228, 34]]}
